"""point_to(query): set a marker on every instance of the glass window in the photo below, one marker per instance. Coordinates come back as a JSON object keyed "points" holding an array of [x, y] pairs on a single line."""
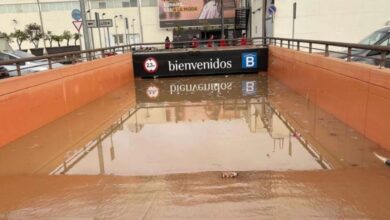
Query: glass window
{"points": [[18, 8], [373, 38], [118, 38], [386, 43], [6, 57], [110, 3], [133, 3], [126, 4], [102, 5], [3, 9], [148, 3]]}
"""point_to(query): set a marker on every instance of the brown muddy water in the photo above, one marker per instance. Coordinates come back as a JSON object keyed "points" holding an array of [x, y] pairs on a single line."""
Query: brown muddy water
{"points": [[157, 150]]}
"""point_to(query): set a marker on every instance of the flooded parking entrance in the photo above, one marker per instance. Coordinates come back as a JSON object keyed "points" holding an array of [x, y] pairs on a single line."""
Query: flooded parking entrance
{"points": [[157, 150], [242, 134], [189, 125]]}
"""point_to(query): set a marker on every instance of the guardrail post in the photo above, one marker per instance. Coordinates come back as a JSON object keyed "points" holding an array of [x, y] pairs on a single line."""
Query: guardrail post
{"points": [[49, 63], [383, 59], [326, 50], [310, 47], [298, 47], [89, 56], [281, 43], [288, 43], [349, 54], [103, 55], [123, 49], [18, 69]]}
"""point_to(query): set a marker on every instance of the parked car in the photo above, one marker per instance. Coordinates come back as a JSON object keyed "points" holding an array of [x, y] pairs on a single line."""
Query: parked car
{"points": [[3, 72], [380, 37], [26, 67]]}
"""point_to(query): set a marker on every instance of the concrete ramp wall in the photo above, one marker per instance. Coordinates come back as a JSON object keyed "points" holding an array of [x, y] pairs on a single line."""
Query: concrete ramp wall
{"points": [[356, 93], [29, 102]]}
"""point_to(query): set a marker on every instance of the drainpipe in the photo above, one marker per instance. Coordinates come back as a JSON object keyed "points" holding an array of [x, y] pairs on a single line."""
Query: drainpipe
{"points": [[264, 18]]}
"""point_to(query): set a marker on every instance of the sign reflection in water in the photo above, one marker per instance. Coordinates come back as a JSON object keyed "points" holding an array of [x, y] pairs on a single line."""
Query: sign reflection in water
{"points": [[195, 125]]}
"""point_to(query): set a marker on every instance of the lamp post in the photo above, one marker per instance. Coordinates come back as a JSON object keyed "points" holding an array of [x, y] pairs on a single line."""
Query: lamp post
{"points": [[104, 32], [116, 29], [97, 19], [42, 29], [91, 29], [132, 25], [126, 25]]}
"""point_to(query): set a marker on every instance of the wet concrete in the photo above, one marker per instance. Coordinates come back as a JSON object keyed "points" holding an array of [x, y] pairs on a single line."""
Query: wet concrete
{"points": [[156, 151]]}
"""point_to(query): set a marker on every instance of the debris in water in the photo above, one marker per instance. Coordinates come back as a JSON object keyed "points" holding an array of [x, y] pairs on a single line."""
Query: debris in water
{"points": [[226, 175], [383, 159]]}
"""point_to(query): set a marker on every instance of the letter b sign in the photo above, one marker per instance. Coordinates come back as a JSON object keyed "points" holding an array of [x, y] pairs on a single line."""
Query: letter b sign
{"points": [[249, 60]]}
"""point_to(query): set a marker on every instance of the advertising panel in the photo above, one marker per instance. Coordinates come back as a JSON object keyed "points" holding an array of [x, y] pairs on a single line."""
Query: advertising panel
{"points": [[204, 62], [173, 13]]}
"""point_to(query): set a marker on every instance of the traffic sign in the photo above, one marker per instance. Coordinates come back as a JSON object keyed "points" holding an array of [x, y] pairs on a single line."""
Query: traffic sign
{"points": [[77, 25], [272, 9], [76, 14], [102, 23], [91, 24]]}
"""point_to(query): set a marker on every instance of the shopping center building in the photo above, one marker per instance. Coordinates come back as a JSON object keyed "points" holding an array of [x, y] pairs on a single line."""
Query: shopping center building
{"points": [[152, 20]]}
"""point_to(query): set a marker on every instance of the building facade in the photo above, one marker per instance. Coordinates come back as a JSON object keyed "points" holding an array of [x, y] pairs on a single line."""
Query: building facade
{"points": [[57, 18], [331, 20]]}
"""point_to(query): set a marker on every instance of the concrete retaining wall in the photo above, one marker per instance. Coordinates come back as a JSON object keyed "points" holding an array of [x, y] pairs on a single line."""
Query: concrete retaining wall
{"points": [[29, 102], [358, 94]]}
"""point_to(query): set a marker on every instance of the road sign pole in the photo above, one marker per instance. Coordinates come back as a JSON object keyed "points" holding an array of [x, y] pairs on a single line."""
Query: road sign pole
{"points": [[127, 30], [108, 35], [85, 29], [98, 26], [81, 46], [294, 17]]}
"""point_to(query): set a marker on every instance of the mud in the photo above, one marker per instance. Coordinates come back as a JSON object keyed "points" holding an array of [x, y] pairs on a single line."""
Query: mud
{"points": [[158, 151]]}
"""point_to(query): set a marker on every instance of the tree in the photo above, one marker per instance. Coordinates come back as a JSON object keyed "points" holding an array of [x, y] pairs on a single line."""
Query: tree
{"points": [[20, 36], [34, 33], [5, 35], [67, 36], [76, 37], [58, 39], [49, 37]]}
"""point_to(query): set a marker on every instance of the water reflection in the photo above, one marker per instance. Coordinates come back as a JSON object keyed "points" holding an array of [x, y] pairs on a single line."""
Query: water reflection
{"points": [[194, 125]]}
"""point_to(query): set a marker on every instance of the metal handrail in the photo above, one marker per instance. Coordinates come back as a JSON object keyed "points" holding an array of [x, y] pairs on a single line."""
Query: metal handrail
{"points": [[291, 44]]}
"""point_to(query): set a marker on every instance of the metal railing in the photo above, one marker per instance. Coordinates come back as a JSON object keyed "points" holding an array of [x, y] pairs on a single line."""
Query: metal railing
{"points": [[376, 55], [380, 55], [49, 61]]}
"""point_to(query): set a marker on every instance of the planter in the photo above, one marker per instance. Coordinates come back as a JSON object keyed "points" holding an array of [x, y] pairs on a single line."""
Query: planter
{"points": [[64, 59], [37, 51], [24, 50], [54, 50]]}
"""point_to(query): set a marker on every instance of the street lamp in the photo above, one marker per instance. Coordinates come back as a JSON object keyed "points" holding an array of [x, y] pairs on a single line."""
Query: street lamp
{"points": [[126, 26], [132, 25], [116, 29], [91, 29], [42, 30], [104, 32]]}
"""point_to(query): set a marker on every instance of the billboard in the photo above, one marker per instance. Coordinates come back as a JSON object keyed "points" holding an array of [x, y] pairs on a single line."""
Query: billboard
{"points": [[202, 62], [173, 13]]}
